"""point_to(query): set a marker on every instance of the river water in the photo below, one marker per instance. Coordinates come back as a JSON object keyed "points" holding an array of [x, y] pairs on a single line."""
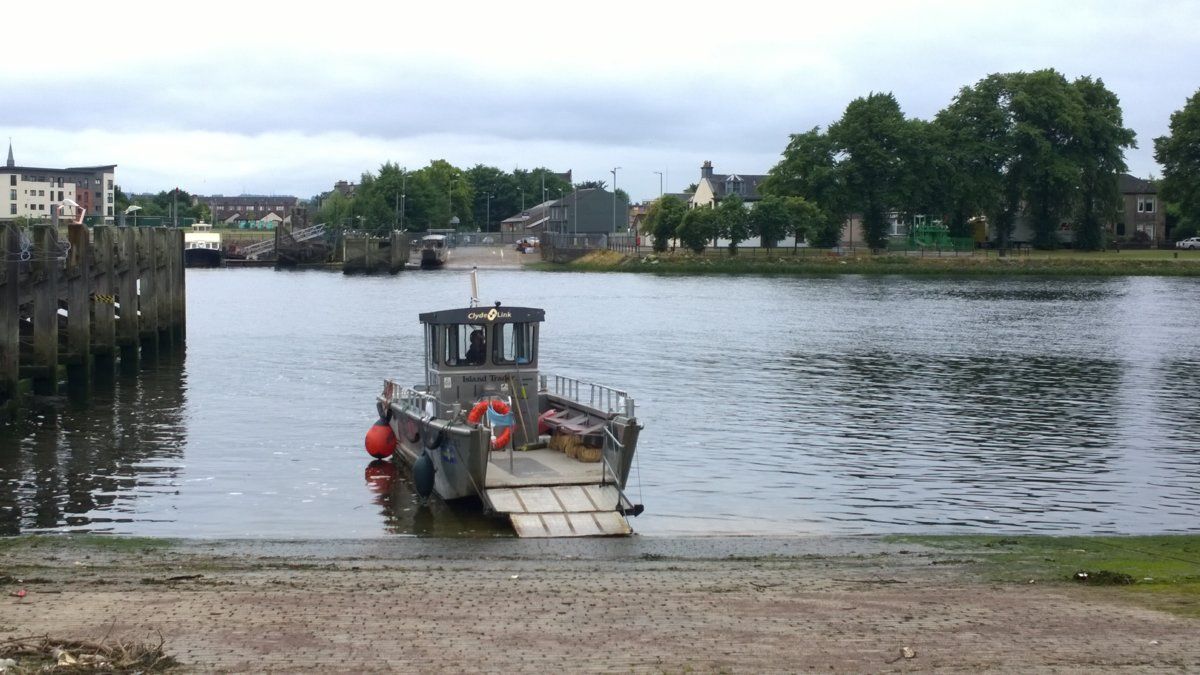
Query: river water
{"points": [[771, 406]]}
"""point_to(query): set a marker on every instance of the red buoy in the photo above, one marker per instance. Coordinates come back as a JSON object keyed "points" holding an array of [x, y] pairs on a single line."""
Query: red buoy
{"points": [[380, 441]]}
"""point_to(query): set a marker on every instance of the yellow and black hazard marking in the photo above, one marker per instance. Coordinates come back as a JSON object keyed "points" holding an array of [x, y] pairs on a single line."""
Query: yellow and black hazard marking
{"points": [[106, 299]]}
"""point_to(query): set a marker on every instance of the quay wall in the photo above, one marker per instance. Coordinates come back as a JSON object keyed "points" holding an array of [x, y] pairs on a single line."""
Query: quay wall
{"points": [[72, 304]]}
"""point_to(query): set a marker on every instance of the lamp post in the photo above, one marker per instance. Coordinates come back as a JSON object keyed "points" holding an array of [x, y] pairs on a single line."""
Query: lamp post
{"points": [[614, 173], [522, 191], [660, 186], [563, 212], [403, 195], [487, 218], [133, 208]]}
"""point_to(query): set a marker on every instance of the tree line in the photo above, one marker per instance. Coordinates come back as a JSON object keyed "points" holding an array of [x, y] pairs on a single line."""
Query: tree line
{"points": [[428, 198], [1032, 145]]}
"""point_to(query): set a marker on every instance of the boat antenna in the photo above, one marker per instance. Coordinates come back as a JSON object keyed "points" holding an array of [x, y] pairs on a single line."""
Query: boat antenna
{"points": [[474, 287]]}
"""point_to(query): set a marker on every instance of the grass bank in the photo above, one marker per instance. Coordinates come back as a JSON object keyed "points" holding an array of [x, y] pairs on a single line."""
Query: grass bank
{"points": [[822, 263], [1161, 572]]}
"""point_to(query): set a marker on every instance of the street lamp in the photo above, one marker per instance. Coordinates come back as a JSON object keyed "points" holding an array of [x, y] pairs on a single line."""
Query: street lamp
{"points": [[522, 191], [562, 211], [614, 173], [403, 195], [487, 219], [660, 181], [133, 208]]}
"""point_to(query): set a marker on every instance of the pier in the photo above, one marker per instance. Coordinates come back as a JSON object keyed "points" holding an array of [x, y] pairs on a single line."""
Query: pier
{"points": [[71, 305], [365, 254]]}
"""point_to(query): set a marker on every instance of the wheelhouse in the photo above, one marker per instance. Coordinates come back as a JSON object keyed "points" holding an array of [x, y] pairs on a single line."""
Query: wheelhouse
{"points": [[481, 352]]}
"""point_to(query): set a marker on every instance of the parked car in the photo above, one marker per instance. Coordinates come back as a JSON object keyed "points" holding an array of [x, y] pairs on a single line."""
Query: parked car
{"points": [[1190, 242]]}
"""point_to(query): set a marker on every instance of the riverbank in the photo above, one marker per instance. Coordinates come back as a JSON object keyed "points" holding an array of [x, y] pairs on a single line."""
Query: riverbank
{"points": [[822, 263], [635, 604]]}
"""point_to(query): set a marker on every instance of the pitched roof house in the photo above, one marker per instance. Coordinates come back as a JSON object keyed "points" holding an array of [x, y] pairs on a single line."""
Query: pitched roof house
{"points": [[713, 187]]}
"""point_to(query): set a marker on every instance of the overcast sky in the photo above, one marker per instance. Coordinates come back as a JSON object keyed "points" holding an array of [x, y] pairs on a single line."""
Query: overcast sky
{"points": [[231, 98]]}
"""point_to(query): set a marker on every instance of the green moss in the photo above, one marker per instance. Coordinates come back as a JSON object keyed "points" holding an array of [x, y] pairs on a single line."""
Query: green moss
{"points": [[1164, 570], [98, 542], [785, 262]]}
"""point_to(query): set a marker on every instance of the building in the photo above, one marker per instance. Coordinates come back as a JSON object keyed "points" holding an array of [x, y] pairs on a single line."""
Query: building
{"points": [[262, 210], [586, 211], [713, 187], [34, 192], [1141, 211]]}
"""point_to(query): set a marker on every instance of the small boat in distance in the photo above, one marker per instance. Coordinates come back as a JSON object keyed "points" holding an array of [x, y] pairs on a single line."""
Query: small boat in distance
{"points": [[202, 247], [550, 453], [433, 251]]}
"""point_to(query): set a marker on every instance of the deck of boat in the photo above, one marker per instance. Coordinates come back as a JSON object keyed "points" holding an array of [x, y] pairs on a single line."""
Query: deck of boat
{"points": [[543, 467]]}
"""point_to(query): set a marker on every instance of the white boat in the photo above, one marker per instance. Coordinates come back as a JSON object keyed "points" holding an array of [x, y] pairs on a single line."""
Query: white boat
{"points": [[550, 453], [434, 250], [202, 247]]}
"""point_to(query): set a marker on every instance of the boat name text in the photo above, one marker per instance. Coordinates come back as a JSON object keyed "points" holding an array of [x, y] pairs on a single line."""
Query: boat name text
{"points": [[491, 315]]}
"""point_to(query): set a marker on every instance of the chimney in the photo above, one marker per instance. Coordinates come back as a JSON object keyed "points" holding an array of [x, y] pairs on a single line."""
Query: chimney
{"points": [[706, 170]]}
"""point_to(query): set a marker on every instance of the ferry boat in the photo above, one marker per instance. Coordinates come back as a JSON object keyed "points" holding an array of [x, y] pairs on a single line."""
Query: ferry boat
{"points": [[550, 453], [433, 250], [202, 247]]}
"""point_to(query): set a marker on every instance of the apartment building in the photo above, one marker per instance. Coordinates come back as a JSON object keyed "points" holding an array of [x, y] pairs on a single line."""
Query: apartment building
{"points": [[34, 192]]}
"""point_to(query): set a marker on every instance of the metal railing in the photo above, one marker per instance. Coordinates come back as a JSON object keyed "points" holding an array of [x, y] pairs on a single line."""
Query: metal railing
{"points": [[408, 397], [597, 396], [254, 251]]}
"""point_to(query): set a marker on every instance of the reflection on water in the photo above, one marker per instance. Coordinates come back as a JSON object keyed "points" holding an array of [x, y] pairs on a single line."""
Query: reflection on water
{"points": [[86, 459], [771, 406], [403, 512]]}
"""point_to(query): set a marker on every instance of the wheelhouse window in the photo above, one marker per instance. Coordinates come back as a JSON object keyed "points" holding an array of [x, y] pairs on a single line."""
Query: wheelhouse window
{"points": [[514, 343], [464, 344]]}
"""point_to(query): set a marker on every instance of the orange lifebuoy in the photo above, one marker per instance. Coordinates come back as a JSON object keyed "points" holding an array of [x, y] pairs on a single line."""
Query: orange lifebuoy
{"points": [[502, 440], [476, 414]]}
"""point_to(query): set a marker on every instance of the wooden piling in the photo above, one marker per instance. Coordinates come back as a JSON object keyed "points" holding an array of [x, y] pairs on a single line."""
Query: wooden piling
{"points": [[10, 315], [44, 270], [79, 305], [147, 298], [129, 326], [104, 337]]}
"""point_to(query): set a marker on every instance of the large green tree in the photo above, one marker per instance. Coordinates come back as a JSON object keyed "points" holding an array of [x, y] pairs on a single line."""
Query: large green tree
{"points": [[1033, 144], [697, 228], [770, 219], [873, 138], [974, 132], [489, 211], [1099, 150], [733, 222], [1048, 114], [810, 171], [1179, 154], [663, 220], [805, 219]]}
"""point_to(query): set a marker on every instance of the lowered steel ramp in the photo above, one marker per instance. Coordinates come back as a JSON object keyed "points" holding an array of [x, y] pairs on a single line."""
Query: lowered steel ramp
{"points": [[562, 510]]}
